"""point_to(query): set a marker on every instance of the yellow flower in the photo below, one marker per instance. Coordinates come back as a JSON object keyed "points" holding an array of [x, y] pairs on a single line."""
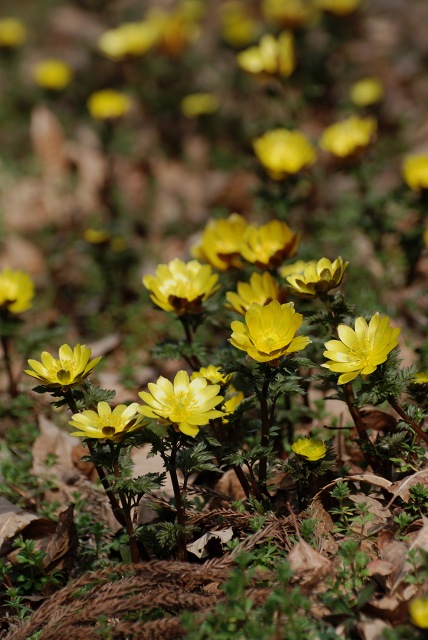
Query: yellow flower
{"points": [[420, 378], [272, 56], [232, 400], [238, 28], [295, 268], [108, 104], [52, 74], [71, 367], [221, 242], [310, 448], [262, 289], [197, 104], [177, 28], [360, 351], [181, 287], [418, 609], [16, 290], [186, 404], [339, 7], [342, 139], [415, 171], [366, 92], [269, 245], [96, 236], [107, 424], [318, 278], [284, 152], [12, 33], [129, 39], [213, 374], [289, 13], [269, 332]]}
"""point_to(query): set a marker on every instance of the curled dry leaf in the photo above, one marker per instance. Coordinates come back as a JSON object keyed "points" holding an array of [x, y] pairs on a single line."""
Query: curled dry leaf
{"points": [[200, 547], [308, 564]]}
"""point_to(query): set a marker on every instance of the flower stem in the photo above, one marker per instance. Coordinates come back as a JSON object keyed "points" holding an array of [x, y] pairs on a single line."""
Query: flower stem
{"points": [[221, 434], [192, 361], [266, 423], [358, 421], [116, 508], [179, 504], [403, 415]]}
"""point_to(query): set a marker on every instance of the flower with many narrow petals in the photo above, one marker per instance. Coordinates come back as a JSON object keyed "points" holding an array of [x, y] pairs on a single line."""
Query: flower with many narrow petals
{"points": [[221, 242], [284, 152], [318, 278], [268, 245], [339, 7], [108, 104], [310, 448], [52, 74], [16, 290], [181, 287], [213, 374], [199, 104], [360, 351], [186, 404], [366, 91], [289, 13], [232, 399], [344, 138], [262, 289], [12, 33], [421, 377], [107, 424], [70, 368], [415, 171], [418, 609], [272, 56], [269, 332]]}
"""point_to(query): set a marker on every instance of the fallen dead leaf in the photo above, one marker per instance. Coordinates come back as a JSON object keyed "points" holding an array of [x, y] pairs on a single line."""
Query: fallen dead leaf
{"points": [[13, 520], [200, 547]]}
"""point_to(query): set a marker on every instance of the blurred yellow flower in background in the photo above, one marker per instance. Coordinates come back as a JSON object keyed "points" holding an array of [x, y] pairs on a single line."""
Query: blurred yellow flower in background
{"points": [[295, 268], [360, 351], [221, 241], [318, 278], [129, 39], [107, 424], [186, 404], [197, 104], [269, 332], [284, 152], [262, 289], [415, 171], [310, 448], [13, 33], [178, 28], [272, 56], [418, 610], [339, 7], [213, 374], [344, 138], [181, 287], [96, 236], [16, 290], [420, 378], [366, 91], [289, 13], [232, 399], [70, 368], [108, 104], [238, 27], [53, 74], [268, 245]]}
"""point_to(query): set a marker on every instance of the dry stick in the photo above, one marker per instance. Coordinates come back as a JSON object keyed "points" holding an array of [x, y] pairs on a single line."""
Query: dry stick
{"points": [[403, 415], [192, 361]]}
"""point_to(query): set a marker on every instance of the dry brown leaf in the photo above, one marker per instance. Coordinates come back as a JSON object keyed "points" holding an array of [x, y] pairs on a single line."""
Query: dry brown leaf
{"points": [[402, 487], [405, 567], [200, 547], [372, 629], [308, 564], [13, 520], [57, 442], [230, 486], [49, 144]]}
